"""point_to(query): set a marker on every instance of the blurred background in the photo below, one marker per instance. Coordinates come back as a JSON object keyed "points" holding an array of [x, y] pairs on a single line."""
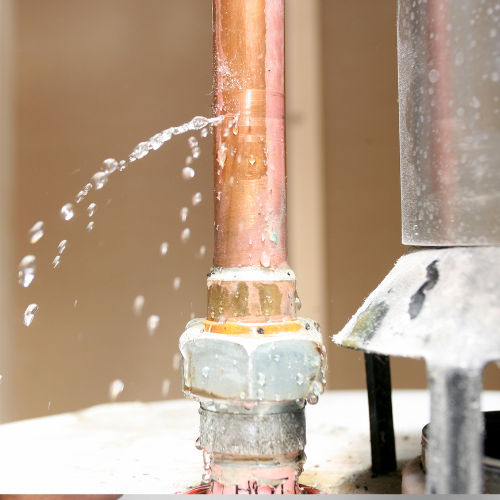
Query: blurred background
{"points": [[86, 80]]}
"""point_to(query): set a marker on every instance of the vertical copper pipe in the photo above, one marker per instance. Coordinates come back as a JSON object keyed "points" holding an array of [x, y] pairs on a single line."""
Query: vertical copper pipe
{"points": [[249, 147]]}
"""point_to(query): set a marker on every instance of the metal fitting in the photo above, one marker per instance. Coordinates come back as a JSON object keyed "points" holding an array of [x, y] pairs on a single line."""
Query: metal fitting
{"points": [[254, 294], [252, 435], [255, 367]]}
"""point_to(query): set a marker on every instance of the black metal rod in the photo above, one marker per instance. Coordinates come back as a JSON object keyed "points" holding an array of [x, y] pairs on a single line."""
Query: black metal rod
{"points": [[378, 381]]}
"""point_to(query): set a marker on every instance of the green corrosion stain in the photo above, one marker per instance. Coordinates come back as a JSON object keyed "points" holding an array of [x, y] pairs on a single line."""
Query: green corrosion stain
{"points": [[274, 237], [368, 323]]}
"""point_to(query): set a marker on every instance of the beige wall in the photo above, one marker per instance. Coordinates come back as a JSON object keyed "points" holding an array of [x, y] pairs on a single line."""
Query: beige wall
{"points": [[95, 78], [92, 79]]}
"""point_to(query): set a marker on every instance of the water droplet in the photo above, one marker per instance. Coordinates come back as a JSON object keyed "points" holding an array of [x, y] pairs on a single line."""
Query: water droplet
{"points": [[475, 102], [205, 371], [90, 226], [91, 209], [235, 129], [165, 387], [269, 299], [298, 303], [203, 249], [261, 379], [299, 378], [433, 75], [251, 160], [56, 261], [265, 260], [192, 142], [204, 132], [164, 248], [300, 402], [152, 323], [493, 32], [62, 246], [186, 233], [260, 394], [276, 357], [36, 232], [140, 151], [495, 76], [197, 197], [317, 388], [184, 214], [67, 212], [225, 132], [196, 152], [156, 141], [29, 314], [188, 173], [312, 399], [122, 165], [138, 305], [176, 361], [249, 404], [80, 196], [197, 444], [222, 155], [177, 283], [27, 268], [115, 389], [109, 166], [99, 179], [243, 395]]}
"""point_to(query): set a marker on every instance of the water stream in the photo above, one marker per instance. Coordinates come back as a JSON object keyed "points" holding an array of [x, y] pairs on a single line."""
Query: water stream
{"points": [[27, 270]]}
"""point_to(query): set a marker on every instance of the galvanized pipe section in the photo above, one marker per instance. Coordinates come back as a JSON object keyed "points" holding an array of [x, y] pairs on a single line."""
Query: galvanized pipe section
{"points": [[449, 102], [454, 462], [249, 89]]}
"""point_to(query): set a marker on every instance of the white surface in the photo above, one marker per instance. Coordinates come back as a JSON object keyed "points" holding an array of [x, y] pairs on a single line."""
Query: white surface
{"points": [[149, 448]]}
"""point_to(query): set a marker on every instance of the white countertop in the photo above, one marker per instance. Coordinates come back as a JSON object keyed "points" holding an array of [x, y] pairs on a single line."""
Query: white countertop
{"points": [[149, 447]]}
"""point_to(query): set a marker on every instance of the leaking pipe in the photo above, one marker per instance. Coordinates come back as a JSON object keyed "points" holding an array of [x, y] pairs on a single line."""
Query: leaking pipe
{"points": [[249, 88], [249, 167], [251, 363]]}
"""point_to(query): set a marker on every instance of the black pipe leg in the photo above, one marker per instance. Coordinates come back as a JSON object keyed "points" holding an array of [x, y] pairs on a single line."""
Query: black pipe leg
{"points": [[378, 381]]}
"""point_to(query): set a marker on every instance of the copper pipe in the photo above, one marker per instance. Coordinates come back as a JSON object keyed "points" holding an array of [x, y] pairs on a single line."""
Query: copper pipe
{"points": [[249, 147]]}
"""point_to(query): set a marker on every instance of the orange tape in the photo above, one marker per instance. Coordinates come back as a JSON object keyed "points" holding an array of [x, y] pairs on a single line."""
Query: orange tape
{"points": [[232, 328]]}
